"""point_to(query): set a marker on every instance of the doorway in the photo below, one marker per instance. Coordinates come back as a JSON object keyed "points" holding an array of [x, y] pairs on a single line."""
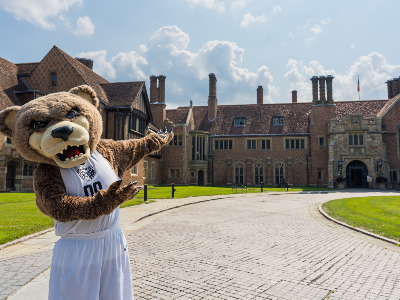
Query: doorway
{"points": [[356, 174], [200, 177], [10, 177]]}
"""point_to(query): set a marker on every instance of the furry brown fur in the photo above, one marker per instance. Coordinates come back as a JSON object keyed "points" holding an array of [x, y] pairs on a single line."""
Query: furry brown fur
{"points": [[51, 198]]}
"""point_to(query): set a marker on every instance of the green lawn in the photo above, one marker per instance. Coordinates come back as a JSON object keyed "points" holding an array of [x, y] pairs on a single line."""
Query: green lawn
{"points": [[380, 215], [19, 215], [165, 192]]}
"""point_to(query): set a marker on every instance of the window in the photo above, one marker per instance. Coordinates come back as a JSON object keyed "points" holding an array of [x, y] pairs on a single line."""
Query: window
{"points": [[53, 79], [251, 144], [278, 121], [25, 170], [176, 141], [28, 170], [258, 173], [294, 144], [239, 122], [266, 144], [134, 170], [192, 174], [174, 173], [223, 144], [239, 174], [279, 171], [153, 170], [138, 124], [319, 175], [356, 139], [321, 141], [145, 168], [393, 176], [9, 141]]}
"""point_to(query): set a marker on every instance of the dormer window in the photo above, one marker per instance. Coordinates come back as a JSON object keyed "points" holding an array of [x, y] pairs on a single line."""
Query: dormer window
{"points": [[239, 121], [53, 79], [278, 121]]}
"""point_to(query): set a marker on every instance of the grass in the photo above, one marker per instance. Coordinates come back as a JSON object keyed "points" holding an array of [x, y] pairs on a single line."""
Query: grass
{"points": [[165, 192], [19, 215], [379, 215]]}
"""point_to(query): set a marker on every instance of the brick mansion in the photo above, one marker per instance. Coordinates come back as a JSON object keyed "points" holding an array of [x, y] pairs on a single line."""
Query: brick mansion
{"points": [[301, 143]]}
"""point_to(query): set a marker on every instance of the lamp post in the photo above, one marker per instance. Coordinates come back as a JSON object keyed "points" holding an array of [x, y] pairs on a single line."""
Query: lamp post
{"points": [[379, 164]]}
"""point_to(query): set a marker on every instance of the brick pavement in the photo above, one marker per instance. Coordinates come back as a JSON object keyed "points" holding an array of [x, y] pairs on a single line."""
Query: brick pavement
{"points": [[260, 247]]}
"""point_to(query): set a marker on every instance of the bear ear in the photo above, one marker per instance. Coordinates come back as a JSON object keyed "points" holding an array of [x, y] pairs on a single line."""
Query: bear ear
{"points": [[7, 119], [87, 93]]}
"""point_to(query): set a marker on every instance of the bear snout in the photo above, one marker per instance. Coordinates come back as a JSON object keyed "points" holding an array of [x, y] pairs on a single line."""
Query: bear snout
{"points": [[62, 132]]}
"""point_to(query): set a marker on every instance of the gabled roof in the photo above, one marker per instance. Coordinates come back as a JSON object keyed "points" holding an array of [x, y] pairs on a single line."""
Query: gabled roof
{"points": [[259, 118], [89, 76], [8, 84], [178, 116], [26, 68], [122, 93], [388, 105], [368, 108]]}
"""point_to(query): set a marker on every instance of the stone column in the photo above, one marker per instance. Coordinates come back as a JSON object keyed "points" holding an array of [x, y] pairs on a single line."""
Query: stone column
{"points": [[322, 89], [161, 88], [329, 93], [314, 81], [153, 89]]}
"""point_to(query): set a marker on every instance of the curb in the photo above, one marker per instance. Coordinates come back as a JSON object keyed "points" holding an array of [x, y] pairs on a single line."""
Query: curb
{"points": [[25, 238], [28, 237], [394, 242]]}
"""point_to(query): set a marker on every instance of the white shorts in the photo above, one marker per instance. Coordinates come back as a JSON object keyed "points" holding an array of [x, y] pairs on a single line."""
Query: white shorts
{"points": [[91, 267]]}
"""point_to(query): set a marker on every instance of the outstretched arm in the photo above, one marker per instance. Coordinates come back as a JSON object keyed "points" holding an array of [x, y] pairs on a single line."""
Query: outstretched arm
{"points": [[123, 155], [52, 199]]}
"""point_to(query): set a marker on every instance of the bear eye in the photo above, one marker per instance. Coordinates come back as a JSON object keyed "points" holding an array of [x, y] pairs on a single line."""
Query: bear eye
{"points": [[72, 114], [39, 124]]}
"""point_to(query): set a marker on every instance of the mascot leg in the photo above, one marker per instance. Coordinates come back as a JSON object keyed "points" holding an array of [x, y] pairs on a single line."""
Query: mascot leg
{"points": [[91, 266]]}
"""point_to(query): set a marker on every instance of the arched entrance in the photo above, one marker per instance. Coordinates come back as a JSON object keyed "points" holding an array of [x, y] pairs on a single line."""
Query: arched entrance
{"points": [[356, 174], [10, 177]]}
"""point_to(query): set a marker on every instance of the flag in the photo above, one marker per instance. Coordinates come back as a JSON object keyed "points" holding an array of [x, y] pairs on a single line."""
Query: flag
{"points": [[358, 85]]}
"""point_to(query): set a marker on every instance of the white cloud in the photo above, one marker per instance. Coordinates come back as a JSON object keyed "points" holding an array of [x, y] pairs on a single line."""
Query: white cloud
{"points": [[276, 9], [373, 69], [237, 5], [209, 4], [100, 64], [353, 46], [39, 12], [314, 28], [84, 27], [187, 72], [249, 18]]}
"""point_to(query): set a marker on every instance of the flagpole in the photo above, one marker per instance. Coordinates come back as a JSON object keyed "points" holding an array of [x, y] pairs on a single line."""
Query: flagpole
{"points": [[359, 88]]}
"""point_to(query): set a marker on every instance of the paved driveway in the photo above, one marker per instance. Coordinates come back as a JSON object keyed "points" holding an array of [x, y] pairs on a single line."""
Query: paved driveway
{"points": [[260, 247]]}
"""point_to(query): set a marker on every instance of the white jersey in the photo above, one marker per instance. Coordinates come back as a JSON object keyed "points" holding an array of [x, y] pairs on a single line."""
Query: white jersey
{"points": [[85, 180]]}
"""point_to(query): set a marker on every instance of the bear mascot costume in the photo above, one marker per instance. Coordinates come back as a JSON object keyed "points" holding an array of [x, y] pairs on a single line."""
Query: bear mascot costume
{"points": [[78, 184]]}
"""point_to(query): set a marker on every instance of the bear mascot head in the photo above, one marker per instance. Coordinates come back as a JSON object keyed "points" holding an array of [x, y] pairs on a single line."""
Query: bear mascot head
{"points": [[62, 131]]}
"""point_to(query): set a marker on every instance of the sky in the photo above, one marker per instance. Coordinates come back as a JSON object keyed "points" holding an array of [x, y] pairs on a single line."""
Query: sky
{"points": [[277, 44]]}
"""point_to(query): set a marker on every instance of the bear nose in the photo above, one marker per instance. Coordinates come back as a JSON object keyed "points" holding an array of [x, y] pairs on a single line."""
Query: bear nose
{"points": [[62, 132]]}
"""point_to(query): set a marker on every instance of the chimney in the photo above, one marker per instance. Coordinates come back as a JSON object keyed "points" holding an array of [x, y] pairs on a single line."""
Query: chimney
{"points": [[260, 95], [212, 97], [322, 89], [153, 89], [87, 62], [329, 93], [314, 81], [395, 87], [161, 88], [294, 96]]}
